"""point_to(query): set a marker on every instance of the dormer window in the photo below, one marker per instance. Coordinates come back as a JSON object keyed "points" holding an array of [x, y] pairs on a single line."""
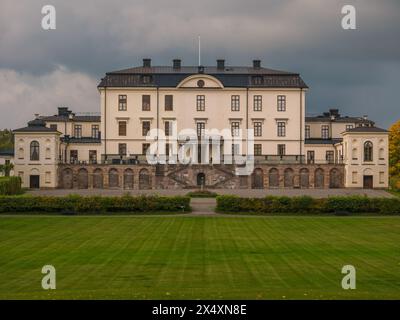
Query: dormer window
{"points": [[146, 79], [257, 80]]}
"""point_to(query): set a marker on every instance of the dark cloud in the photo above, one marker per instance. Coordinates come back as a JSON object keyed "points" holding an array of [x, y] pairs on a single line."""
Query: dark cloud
{"points": [[355, 70]]}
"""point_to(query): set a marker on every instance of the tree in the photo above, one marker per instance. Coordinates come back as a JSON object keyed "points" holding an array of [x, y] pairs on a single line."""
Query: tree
{"points": [[394, 154], [6, 169], [6, 140]]}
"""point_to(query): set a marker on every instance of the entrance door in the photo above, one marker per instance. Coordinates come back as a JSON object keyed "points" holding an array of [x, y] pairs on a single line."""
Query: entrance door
{"points": [[368, 182], [201, 179], [34, 182]]}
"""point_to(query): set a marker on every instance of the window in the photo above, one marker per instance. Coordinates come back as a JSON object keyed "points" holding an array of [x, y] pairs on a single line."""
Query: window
{"points": [[146, 79], [167, 149], [145, 128], [53, 127], [349, 126], [122, 105], [281, 129], [257, 149], [145, 102], [73, 156], [235, 126], [307, 133], [281, 149], [122, 149], [122, 128], [201, 126], [325, 132], [310, 156], [354, 154], [169, 102], [235, 149], [257, 103], [201, 102], [78, 131], [92, 156], [257, 80], [368, 150], [48, 153], [20, 153], [281, 103], [381, 154], [95, 131], [145, 147], [47, 177], [381, 177], [330, 156], [235, 103], [35, 151], [167, 128], [257, 129], [354, 177]]}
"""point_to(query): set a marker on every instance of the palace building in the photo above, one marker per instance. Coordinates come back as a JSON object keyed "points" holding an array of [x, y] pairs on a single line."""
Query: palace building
{"points": [[172, 104]]}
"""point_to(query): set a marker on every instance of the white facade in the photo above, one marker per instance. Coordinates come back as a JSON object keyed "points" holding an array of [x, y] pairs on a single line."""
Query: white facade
{"points": [[271, 102]]}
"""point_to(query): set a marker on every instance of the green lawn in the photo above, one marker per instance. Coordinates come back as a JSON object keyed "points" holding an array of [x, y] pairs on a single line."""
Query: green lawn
{"points": [[189, 257]]}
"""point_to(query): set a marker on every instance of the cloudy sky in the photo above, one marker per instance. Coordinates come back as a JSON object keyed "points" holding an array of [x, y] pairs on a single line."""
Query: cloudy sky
{"points": [[354, 70]]}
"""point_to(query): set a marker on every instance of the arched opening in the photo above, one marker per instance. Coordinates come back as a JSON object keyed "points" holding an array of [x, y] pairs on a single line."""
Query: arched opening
{"points": [[83, 181], [98, 178], [319, 178], [128, 179], [304, 178], [34, 151], [67, 179], [273, 178], [144, 179], [368, 151], [257, 179], [335, 179], [113, 178], [201, 179], [288, 178]]}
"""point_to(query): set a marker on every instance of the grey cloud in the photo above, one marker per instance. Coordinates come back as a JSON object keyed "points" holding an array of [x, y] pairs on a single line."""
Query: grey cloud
{"points": [[93, 37]]}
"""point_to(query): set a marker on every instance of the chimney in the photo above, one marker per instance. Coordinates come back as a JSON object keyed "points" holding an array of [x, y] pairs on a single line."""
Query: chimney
{"points": [[221, 64], [146, 63], [334, 113], [176, 63], [256, 64]]}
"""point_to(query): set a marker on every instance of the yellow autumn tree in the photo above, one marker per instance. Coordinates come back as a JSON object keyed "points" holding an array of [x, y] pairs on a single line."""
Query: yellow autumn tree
{"points": [[394, 154]]}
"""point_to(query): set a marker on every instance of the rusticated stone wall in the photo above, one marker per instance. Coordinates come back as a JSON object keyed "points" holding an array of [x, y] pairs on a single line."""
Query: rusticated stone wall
{"points": [[141, 177]]}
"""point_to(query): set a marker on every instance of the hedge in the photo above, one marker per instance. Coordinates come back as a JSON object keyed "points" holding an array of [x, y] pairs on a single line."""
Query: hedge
{"points": [[75, 204], [202, 194], [10, 186], [308, 205]]}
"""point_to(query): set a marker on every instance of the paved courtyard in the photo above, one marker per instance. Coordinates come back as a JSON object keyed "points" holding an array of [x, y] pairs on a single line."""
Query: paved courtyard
{"points": [[316, 193]]}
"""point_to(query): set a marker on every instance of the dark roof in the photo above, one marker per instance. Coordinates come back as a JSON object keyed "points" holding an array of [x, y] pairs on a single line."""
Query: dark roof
{"points": [[367, 129], [338, 119], [58, 118], [322, 141], [6, 152], [81, 140], [166, 76], [37, 125]]}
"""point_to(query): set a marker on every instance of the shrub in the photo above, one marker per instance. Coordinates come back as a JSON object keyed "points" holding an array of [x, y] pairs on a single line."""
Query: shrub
{"points": [[304, 205], [75, 204], [10, 186], [202, 194]]}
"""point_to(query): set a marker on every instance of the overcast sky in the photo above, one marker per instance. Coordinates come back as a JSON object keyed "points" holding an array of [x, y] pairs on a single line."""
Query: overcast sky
{"points": [[355, 70]]}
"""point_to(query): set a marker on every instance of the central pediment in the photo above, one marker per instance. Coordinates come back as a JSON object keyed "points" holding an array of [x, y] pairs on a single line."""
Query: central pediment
{"points": [[201, 81]]}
